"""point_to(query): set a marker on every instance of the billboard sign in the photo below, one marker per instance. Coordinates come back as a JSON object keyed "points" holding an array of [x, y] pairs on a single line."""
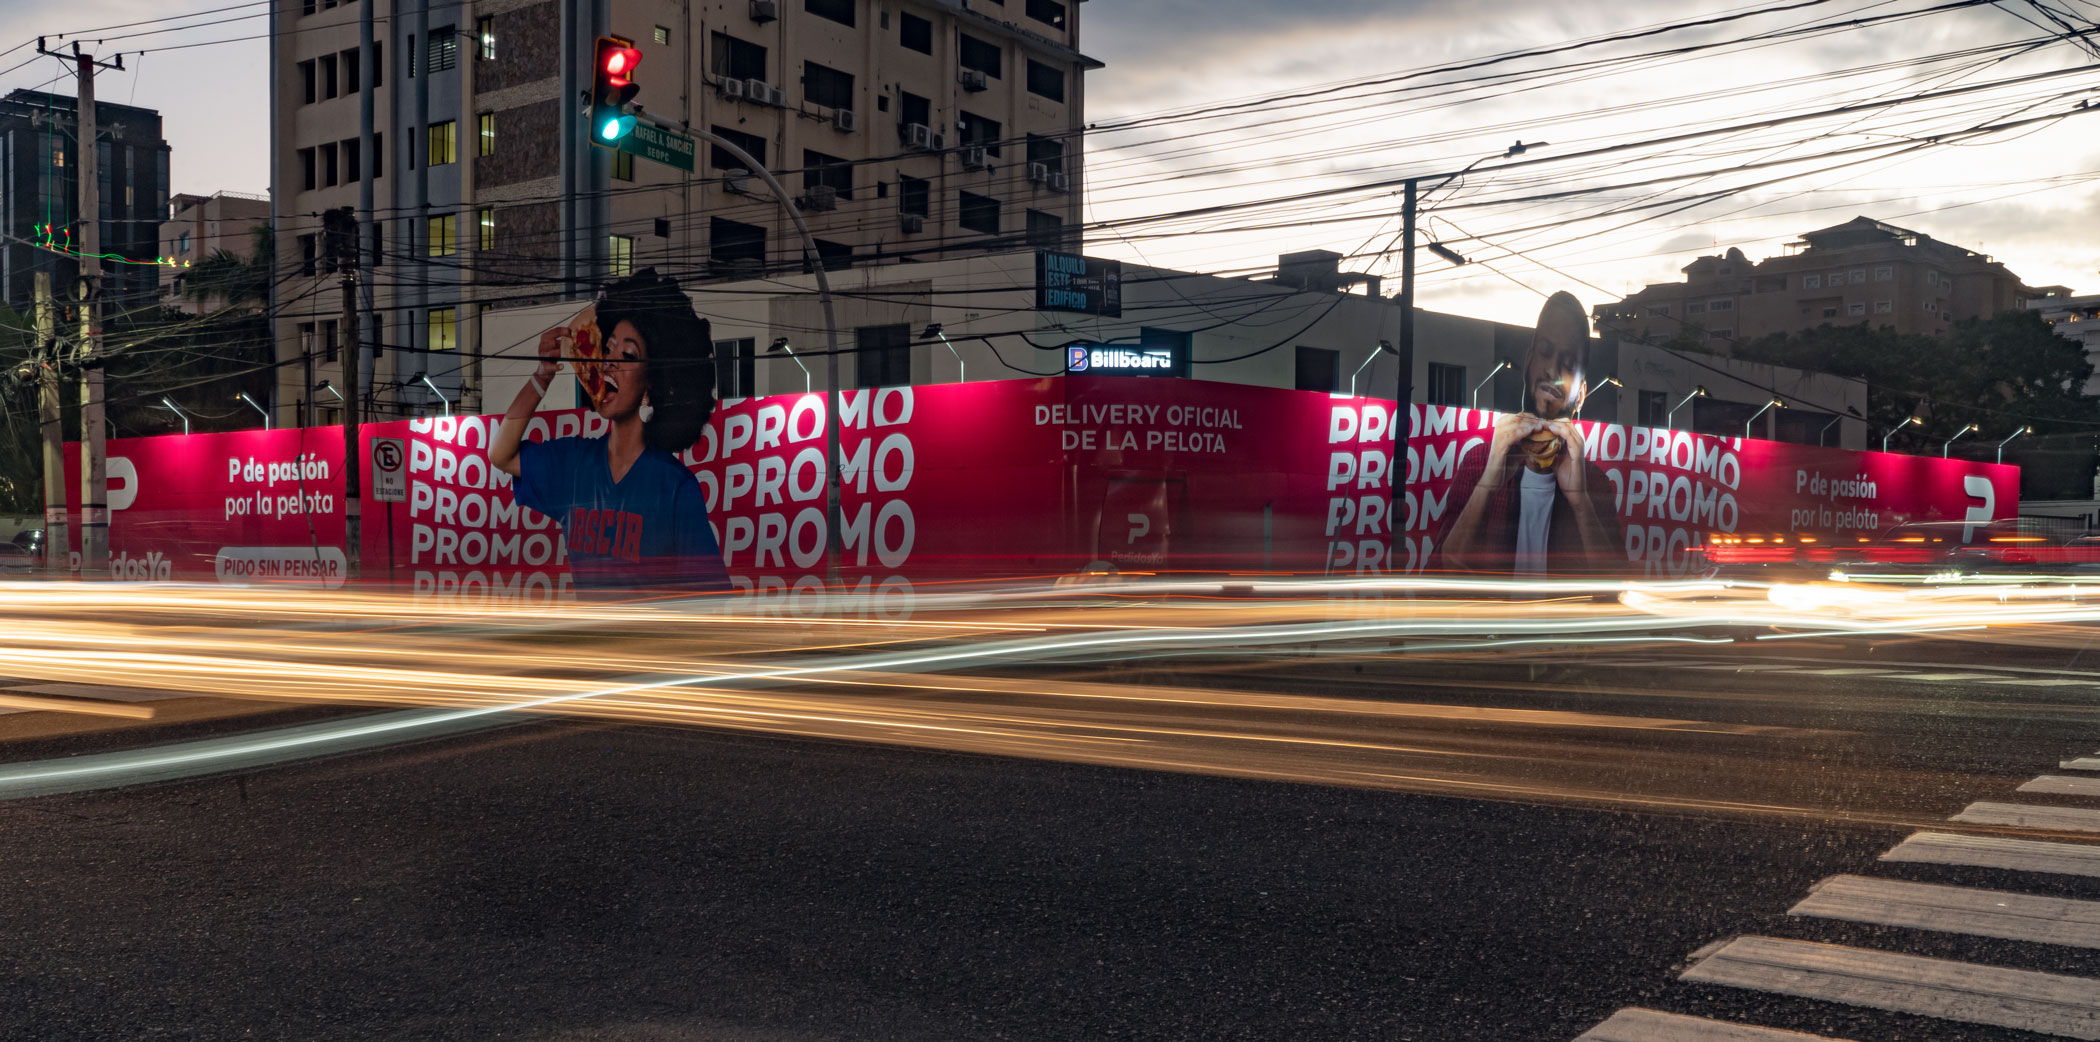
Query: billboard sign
{"points": [[1070, 282]]}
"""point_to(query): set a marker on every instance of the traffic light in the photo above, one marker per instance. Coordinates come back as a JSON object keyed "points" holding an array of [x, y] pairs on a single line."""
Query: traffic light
{"points": [[613, 88]]}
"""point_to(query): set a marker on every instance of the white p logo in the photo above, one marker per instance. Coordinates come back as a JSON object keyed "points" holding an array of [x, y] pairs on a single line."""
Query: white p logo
{"points": [[1140, 526]]}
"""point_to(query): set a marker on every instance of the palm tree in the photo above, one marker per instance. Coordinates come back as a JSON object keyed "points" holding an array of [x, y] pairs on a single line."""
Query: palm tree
{"points": [[238, 281]]}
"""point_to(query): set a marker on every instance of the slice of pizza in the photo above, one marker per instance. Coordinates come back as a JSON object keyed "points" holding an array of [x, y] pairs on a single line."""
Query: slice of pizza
{"points": [[587, 355]]}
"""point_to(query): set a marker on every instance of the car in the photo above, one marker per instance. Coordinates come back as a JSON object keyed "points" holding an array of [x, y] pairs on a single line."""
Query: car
{"points": [[16, 560]]}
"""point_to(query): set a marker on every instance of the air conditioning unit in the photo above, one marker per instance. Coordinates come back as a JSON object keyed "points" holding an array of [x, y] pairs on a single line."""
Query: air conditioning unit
{"points": [[756, 91], [821, 197], [764, 10], [911, 223], [1060, 182], [737, 180], [845, 121], [971, 79], [1038, 173], [777, 97], [733, 89], [917, 135], [940, 142], [973, 157]]}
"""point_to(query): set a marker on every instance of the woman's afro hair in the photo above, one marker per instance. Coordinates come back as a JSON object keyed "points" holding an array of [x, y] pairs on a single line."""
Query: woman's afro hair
{"points": [[680, 371]]}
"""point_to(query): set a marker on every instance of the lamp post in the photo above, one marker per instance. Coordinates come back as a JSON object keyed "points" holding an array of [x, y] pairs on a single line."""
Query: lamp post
{"points": [[171, 408], [243, 396], [2009, 437], [781, 344], [1670, 418], [1907, 421], [1499, 366], [1383, 345], [1826, 428], [1949, 443], [1585, 400], [962, 370], [1768, 407], [424, 379]]}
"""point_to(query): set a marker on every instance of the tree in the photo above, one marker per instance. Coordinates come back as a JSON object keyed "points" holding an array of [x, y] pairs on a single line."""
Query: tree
{"points": [[21, 455]]}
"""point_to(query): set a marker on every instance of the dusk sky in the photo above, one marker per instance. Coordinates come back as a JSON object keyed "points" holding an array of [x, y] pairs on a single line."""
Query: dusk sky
{"points": [[2024, 195]]}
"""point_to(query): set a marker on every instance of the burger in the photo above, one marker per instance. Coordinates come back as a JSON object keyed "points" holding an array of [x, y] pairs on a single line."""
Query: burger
{"points": [[1541, 450]]}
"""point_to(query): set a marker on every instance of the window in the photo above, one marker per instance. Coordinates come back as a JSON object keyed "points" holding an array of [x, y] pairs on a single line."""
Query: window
{"points": [[735, 247], [1929, 305], [1447, 384], [1049, 12], [1884, 273], [182, 244], [1883, 307], [444, 143], [307, 76], [1721, 334], [442, 234], [915, 33], [1836, 278], [329, 83], [1046, 80], [331, 173], [309, 252], [353, 152], [1048, 151], [736, 368], [736, 59], [378, 63], [622, 166], [840, 11], [1661, 309], [662, 35], [306, 339], [1857, 276], [1830, 312], [442, 331], [974, 129], [978, 213], [826, 86], [1811, 282], [1654, 409], [487, 122], [331, 340], [1319, 369], [1046, 231], [979, 55], [1724, 304], [912, 195], [488, 228], [485, 36], [1857, 307], [721, 159], [307, 169], [411, 56], [378, 155], [820, 169], [837, 256], [1696, 308], [912, 108], [882, 356], [619, 256], [444, 48]]}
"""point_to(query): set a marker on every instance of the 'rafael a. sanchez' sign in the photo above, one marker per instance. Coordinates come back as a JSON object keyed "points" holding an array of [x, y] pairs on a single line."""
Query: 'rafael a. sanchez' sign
{"points": [[1111, 360]]}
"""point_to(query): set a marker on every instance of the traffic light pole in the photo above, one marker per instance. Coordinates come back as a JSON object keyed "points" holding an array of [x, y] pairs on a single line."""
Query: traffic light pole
{"points": [[94, 478]]}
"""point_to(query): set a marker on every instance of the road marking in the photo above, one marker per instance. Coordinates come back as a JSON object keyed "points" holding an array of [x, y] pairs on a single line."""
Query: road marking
{"points": [[1848, 672], [1955, 909], [1942, 676], [2019, 999], [2063, 785], [1647, 1025], [2024, 855], [2083, 763], [2025, 816], [2044, 683]]}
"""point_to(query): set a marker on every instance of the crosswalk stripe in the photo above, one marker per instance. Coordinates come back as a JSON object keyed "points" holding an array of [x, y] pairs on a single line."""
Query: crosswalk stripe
{"points": [[2019, 999], [2075, 820], [1647, 1025], [2083, 763], [2063, 785], [2028, 855], [1955, 909]]}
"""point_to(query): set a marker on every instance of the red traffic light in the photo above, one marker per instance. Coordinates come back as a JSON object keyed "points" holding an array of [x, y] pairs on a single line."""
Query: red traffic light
{"points": [[613, 90], [619, 61]]}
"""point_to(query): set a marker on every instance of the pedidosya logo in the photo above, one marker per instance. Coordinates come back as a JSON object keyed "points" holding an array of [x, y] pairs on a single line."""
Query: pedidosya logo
{"points": [[1079, 357]]}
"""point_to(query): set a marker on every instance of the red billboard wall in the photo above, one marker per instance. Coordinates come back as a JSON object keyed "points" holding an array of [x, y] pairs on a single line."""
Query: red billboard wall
{"points": [[1020, 477]]}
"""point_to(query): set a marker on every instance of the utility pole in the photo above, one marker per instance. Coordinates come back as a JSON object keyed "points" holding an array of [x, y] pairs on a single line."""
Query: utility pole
{"points": [[57, 545], [339, 231], [94, 479], [1404, 386]]}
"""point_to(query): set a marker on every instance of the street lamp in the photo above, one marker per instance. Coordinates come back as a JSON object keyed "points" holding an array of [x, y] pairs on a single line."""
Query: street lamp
{"points": [[1768, 407], [1383, 345], [2009, 437], [1448, 254], [962, 371], [1907, 421], [1945, 445], [782, 344], [171, 408], [330, 388], [243, 396], [1670, 418], [424, 379], [1585, 399], [1499, 366]]}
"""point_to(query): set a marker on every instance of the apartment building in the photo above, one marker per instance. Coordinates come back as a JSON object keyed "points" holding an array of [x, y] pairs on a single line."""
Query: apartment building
{"points": [[199, 226], [1859, 271], [39, 198], [905, 130]]}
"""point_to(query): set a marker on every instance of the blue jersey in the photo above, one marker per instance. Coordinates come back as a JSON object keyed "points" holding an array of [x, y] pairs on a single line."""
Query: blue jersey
{"points": [[648, 529]]}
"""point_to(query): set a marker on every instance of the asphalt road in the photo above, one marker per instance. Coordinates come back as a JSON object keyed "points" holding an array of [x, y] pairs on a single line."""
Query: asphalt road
{"points": [[566, 880]]}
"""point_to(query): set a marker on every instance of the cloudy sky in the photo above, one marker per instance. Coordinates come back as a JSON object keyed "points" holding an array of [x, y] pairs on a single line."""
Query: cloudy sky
{"points": [[2024, 194]]}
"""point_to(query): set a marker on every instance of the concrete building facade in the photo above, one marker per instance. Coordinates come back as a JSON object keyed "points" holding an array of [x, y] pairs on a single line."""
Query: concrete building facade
{"points": [[199, 226], [905, 129], [1862, 271], [39, 198]]}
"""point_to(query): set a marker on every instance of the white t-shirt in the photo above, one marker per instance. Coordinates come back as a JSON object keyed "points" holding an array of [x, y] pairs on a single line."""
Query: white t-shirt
{"points": [[1535, 495]]}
